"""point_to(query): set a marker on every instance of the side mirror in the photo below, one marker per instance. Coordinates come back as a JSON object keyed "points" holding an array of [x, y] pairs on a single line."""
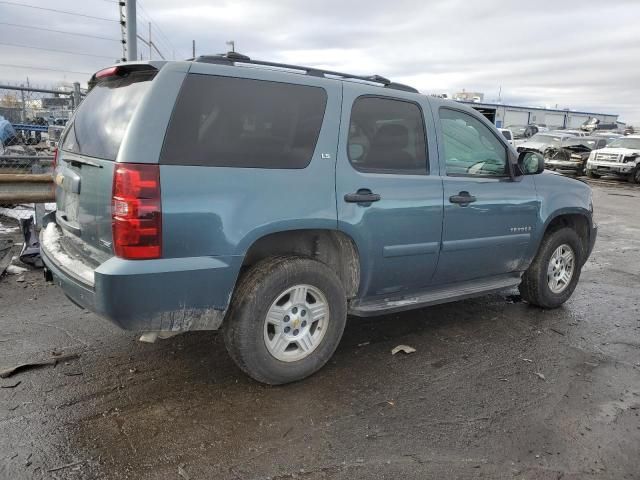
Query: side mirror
{"points": [[530, 163]]}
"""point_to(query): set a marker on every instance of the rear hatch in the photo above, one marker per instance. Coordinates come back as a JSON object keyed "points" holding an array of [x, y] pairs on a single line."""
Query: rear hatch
{"points": [[86, 161]]}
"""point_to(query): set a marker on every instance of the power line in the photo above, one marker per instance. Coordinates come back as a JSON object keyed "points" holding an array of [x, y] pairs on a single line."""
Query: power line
{"points": [[30, 67], [15, 4], [55, 50], [156, 26], [59, 31]]}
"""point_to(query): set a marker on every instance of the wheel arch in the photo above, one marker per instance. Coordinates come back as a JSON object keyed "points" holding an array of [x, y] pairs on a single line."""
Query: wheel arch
{"points": [[577, 219], [335, 249]]}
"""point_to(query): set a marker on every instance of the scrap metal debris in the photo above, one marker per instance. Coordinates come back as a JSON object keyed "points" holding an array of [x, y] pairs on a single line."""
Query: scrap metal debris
{"points": [[6, 373], [31, 248], [182, 472], [403, 348], [62, 467], [11, 385], [540, 375]]}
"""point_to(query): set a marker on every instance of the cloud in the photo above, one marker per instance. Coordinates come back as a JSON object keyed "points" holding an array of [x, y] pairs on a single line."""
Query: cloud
{"points": [[575, 54]]}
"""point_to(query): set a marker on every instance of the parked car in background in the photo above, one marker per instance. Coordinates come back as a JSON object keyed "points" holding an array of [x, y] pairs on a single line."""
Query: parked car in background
{"points": [[610, 136], [521, 132], [594, 124], [541, 141], [577, 133], [620, 158], [272, 200], [573, 154], [506, 133]]}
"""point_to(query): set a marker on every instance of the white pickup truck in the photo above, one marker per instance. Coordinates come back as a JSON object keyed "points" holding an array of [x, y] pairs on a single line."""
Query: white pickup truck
{"points": [[620, 158]]}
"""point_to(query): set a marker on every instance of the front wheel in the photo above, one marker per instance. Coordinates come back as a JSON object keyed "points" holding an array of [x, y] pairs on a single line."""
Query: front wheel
{"points": [[634, 177], [554, 273], [286, 319], [591, 174]]}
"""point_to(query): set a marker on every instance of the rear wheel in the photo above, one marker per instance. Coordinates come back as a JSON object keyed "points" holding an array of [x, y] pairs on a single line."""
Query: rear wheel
{"points": [[590, 174], [552, 277], [286, 319]]}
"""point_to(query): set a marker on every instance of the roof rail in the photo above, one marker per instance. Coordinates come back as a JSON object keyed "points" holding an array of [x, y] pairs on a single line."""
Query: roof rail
{"points": [[231, 58]]}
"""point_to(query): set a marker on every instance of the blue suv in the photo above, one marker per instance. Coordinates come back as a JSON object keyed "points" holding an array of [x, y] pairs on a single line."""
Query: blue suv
{"points": [[270, 201]]}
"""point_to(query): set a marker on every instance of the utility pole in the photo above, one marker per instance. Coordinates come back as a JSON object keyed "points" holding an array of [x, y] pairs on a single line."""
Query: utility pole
{"points": [[123, 31], [130, 25], [76, 95], [24, 112], [232, 44], [193, 48]]}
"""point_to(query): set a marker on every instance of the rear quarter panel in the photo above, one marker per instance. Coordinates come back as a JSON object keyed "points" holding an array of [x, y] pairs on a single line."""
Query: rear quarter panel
{"points": [[221, 211]]}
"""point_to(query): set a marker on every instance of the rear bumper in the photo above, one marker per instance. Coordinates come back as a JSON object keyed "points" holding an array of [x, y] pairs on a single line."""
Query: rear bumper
{"points": [[148, 295]]}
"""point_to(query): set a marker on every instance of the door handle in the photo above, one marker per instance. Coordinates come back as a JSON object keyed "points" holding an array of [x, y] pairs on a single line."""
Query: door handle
{"points": [[363, 195], [463, 198]]}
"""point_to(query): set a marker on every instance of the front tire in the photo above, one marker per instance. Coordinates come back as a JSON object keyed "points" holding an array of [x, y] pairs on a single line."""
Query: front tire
{"points": [[634, 177], [590, 174], [286, 319], [552, 277]]}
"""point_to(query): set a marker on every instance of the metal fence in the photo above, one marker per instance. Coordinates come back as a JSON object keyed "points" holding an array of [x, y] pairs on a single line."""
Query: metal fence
{"points": [[29, 105], [37, 117]]}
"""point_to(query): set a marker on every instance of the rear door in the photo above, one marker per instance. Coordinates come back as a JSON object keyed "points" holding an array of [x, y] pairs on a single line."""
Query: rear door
{"points": [[488, 216], [88, 151], [388, 198]]}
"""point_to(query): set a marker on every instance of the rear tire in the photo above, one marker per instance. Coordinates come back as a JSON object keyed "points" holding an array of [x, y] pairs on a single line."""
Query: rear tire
{"points": [[544, 283], [286, 319], [590, 174]]}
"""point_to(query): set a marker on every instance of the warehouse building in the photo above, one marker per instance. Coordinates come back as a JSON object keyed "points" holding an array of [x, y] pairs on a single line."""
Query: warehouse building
{"points": [[504, 115]]}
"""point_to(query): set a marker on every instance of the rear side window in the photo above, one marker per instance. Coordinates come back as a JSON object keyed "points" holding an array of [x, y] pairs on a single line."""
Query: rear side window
{"points": [[103, 117], [387, 136], [238, 122]]}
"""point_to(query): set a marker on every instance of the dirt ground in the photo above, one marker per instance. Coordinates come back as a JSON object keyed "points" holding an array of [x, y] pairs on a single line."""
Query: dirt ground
{"points": [[496, 389]]}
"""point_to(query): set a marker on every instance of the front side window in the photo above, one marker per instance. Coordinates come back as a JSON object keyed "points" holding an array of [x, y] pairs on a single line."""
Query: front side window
{"points": [[470, 148], [239, 122], [387, 136]]}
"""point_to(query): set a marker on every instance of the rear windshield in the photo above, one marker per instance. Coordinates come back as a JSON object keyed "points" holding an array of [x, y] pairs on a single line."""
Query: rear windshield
{"points": [[103, 117], [238, 122]]}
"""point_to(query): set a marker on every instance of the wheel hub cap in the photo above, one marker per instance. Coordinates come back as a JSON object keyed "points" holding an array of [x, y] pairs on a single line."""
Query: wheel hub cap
{"points": [[561, 268], [296, 323]]}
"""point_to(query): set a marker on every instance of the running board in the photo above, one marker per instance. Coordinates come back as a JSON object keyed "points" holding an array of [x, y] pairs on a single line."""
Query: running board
{"points": [[451, 293]]}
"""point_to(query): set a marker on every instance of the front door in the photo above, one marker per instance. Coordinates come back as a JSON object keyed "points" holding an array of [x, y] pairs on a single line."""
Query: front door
{"points": [[389, 194], [488, 216]]}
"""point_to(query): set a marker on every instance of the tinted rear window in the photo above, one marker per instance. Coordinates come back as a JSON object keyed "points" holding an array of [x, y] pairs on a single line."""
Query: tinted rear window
{"points": [[238, 122], [103, 117]]}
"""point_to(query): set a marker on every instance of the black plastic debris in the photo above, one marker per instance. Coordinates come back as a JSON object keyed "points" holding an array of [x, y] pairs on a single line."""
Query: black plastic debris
{"points": [[30, 253]]}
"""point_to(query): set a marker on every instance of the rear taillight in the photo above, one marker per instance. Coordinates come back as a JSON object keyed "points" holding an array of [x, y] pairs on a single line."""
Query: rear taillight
{"points": [[107, 72], [136, 211]]}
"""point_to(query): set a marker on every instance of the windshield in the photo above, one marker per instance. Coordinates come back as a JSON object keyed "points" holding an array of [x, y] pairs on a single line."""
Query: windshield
{"points": [[632, 143], [103, 117]]}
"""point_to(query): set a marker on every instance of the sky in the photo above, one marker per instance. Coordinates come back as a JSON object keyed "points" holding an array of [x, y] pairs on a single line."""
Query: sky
{"points": [[581, 55]]}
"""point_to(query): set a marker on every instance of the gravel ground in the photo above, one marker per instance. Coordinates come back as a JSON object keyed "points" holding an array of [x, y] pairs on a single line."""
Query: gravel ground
{"points": [[496, 389]]}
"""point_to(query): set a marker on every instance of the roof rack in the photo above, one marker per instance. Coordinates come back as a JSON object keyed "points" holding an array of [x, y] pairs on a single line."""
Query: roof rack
{"points": [[231, 58]]}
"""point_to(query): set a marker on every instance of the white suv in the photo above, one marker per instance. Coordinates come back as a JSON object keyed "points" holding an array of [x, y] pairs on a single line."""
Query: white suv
{"points": [[620, 158]]}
